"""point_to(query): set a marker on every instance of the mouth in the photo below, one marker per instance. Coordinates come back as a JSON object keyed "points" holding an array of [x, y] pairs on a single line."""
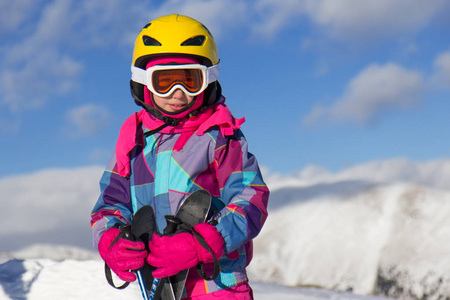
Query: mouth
{"points": [[177, 107]]}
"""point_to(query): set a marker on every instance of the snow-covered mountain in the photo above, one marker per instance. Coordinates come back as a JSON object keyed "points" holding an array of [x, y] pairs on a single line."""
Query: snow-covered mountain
{"points": [[389, 239], [382, 228]]}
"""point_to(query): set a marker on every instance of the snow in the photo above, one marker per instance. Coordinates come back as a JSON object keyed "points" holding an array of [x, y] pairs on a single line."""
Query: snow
{"points": [[43, 279], [371, 231]]}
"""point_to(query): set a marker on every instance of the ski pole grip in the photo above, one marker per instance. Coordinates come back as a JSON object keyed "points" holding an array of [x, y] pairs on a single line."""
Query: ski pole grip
{"points": [[172, 224], [126, 233]]}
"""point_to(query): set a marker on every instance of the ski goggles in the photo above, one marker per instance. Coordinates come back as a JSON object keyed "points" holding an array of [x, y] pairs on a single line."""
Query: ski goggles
{"points": [[163, 80]]}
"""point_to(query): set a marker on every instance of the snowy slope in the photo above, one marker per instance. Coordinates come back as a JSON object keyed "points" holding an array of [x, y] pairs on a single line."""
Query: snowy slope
{"points": [[381, 228], [43, 279]]}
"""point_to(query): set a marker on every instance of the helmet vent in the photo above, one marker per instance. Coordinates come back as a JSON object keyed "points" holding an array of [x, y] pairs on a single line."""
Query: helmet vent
{"points": [[148, 24], [149, 41], [194, 41]]}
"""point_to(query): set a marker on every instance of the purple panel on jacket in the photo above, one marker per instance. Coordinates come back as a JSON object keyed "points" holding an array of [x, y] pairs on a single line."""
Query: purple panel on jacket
{"points": [[256, 212], [118, 190], [142, 174]]}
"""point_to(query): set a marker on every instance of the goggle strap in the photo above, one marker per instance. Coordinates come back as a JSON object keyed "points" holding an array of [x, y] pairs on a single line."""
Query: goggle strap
{"points": [[213, 73], [138, 75]]}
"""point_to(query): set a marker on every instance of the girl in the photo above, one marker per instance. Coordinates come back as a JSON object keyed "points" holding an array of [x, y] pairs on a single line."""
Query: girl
{"points": [[184, 139]]}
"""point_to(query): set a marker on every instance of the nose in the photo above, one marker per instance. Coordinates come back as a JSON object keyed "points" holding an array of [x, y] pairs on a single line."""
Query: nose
{"points": [[178, 94]]}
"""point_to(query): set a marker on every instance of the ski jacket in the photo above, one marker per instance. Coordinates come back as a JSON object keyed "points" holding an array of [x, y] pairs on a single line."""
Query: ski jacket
{"points": [[165, 167]]}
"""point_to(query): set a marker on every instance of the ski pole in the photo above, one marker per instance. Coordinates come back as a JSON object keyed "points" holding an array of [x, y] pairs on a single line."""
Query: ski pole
{"points": [[142, 285], [128, 235], [153, 289], [172, 224]]}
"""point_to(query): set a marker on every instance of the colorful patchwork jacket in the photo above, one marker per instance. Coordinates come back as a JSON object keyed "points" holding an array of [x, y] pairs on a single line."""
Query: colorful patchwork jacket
{"points": [[165, 167]]}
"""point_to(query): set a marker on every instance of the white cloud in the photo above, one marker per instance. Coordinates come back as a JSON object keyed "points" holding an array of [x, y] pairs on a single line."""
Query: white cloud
{"points": [[348, 19], [88, 119], [220, 16], [35, 67], [274, 16], [441, 76], [44, 56], [40, 62], [432, 173], [14, 13], [376, 89], [373, 18], [42, 75], [48, 199]]}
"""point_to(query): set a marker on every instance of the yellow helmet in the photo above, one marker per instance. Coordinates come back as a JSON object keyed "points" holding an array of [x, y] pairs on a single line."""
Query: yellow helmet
{"points": [[175, 34]]}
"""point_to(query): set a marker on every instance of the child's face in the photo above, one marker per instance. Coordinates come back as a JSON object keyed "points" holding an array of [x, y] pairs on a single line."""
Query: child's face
{"points": [[176, 101]]}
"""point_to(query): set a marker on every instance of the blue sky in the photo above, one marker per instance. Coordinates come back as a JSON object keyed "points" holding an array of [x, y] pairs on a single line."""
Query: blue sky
{"points": [[331, 83]]}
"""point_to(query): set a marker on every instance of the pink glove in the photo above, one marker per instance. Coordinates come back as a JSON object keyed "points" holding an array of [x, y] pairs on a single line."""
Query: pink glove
{"points": [[173, 254], [123, 256]]}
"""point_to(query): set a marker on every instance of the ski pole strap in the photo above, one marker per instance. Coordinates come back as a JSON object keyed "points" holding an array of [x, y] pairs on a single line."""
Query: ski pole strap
{"points": [[200, 264], [125, 232], [108, 276]]}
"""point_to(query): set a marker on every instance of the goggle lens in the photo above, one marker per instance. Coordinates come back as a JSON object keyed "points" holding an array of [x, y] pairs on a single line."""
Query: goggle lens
{"points": [[164, 80]]}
